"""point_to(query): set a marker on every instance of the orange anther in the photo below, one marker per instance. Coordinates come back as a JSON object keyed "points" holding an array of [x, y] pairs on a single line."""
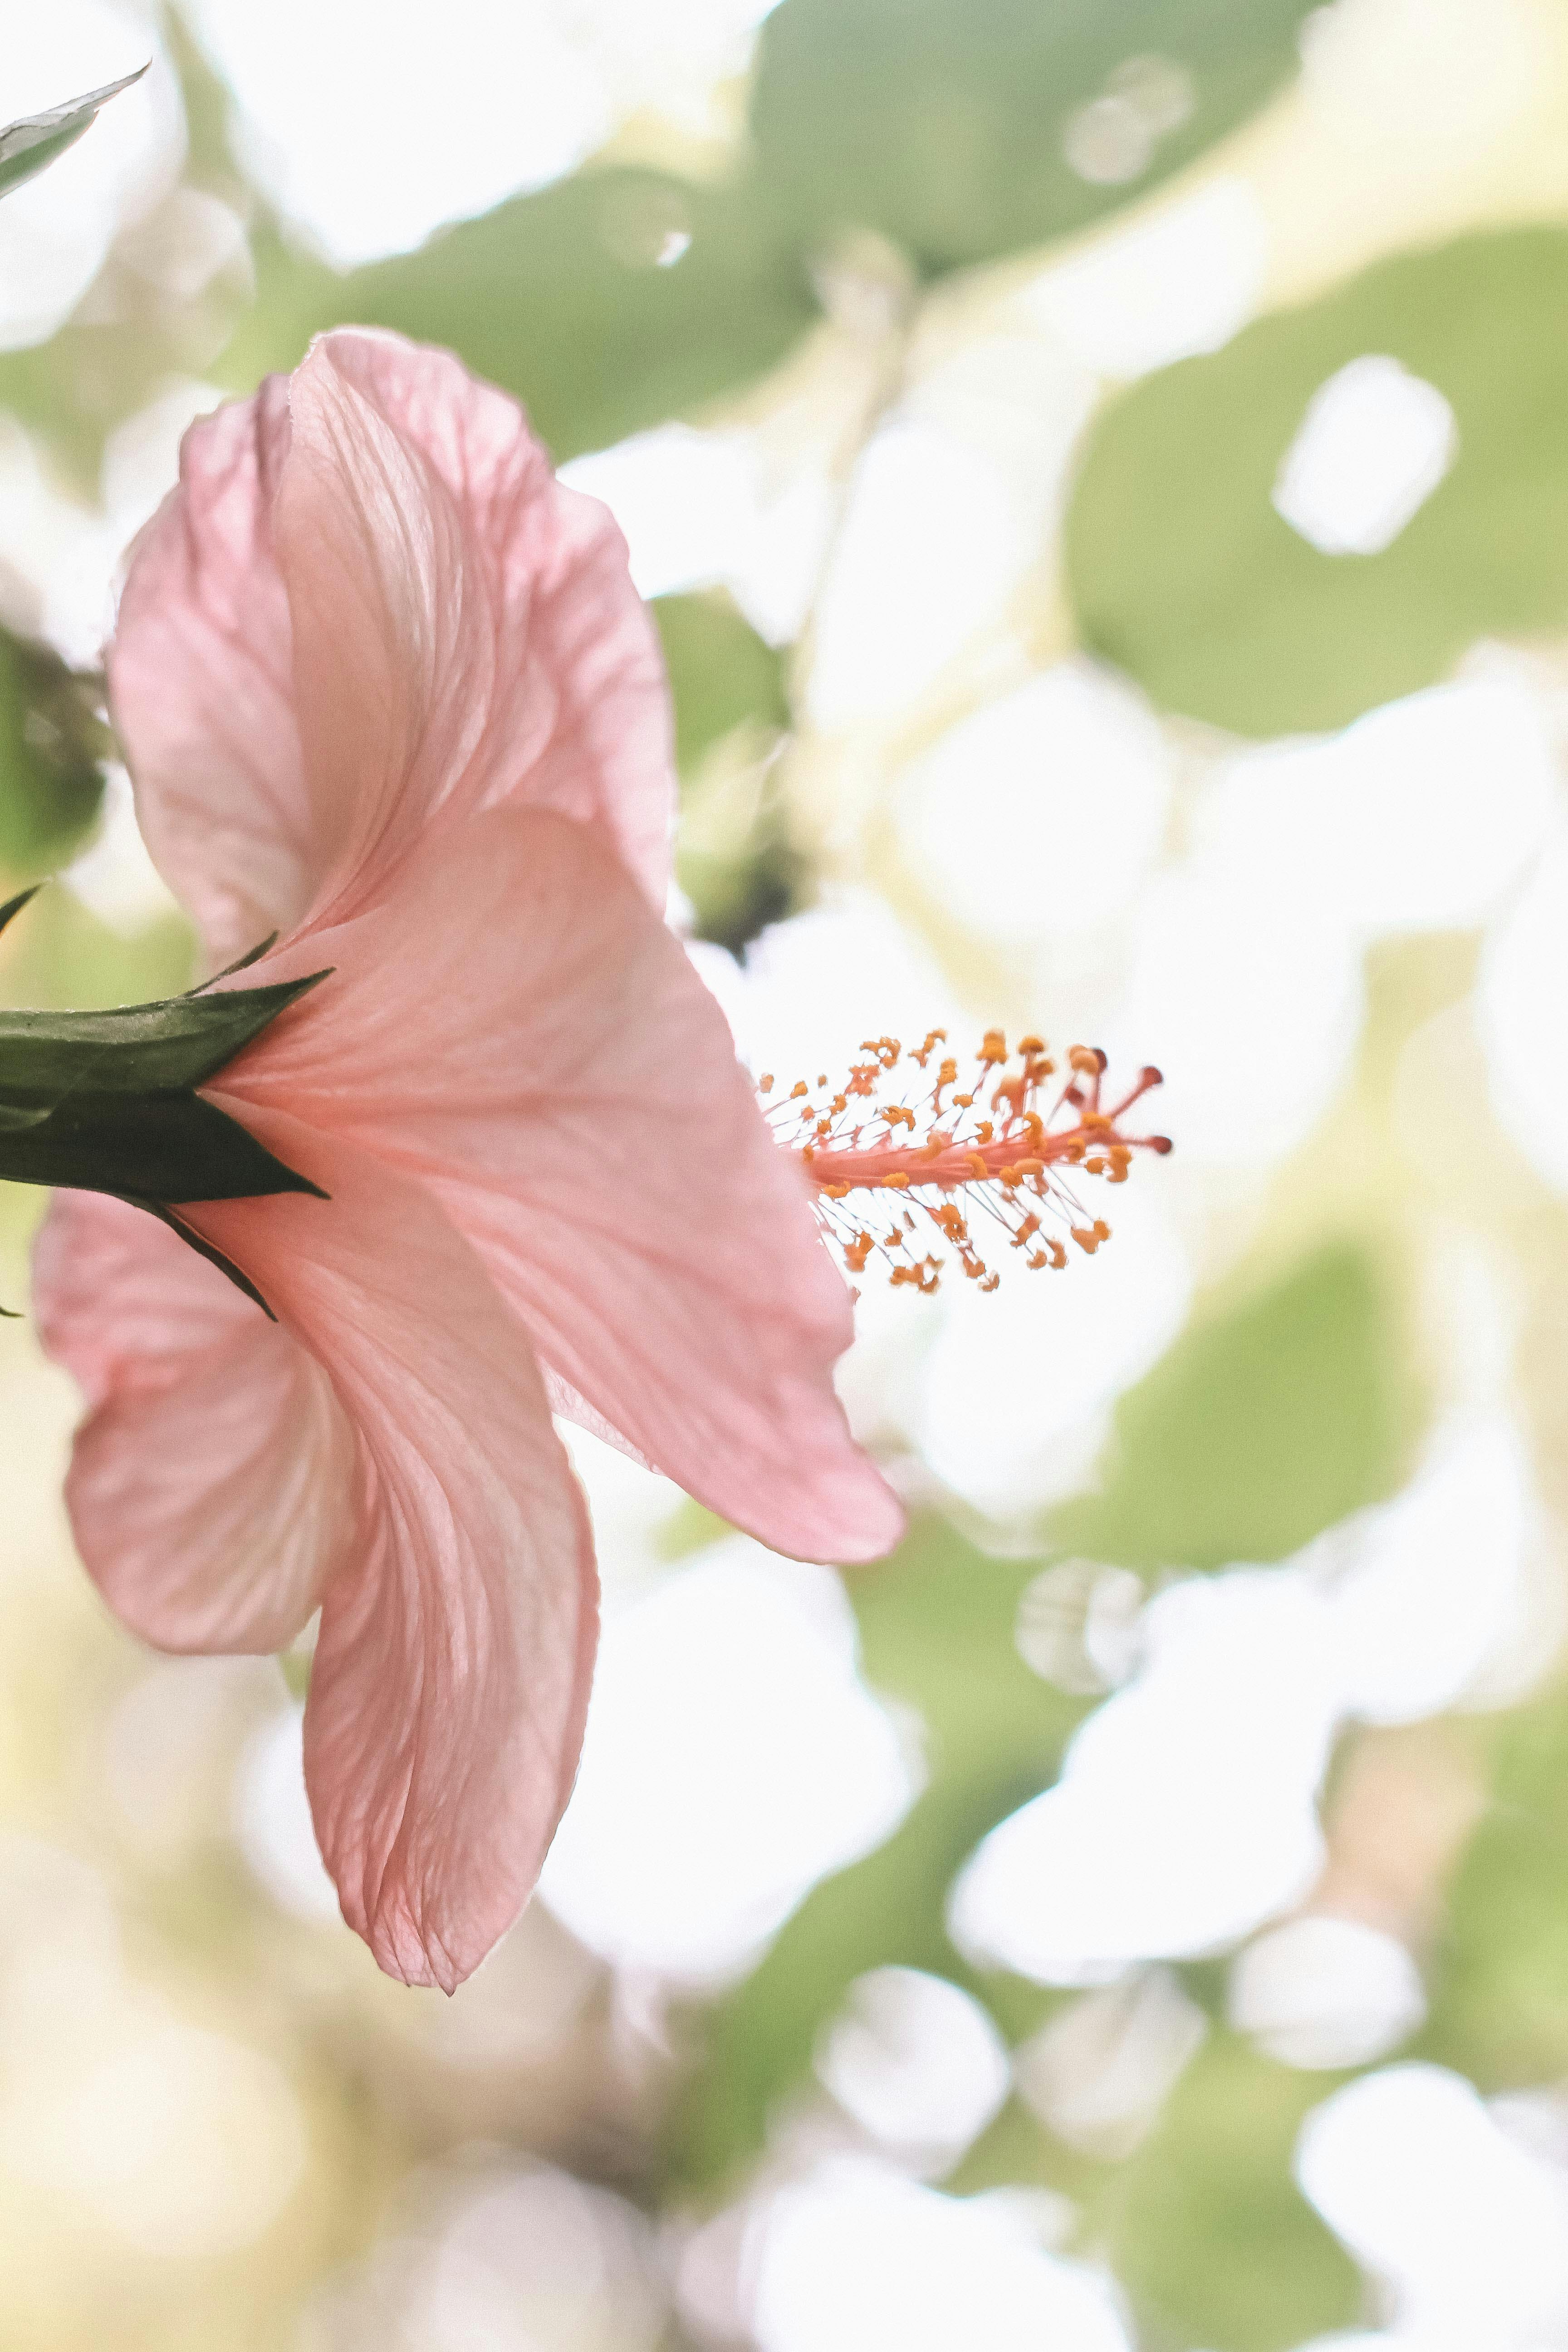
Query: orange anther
{"points": [[928, 1153]]}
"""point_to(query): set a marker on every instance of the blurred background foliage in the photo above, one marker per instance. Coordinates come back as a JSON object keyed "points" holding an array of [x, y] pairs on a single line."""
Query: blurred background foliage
{"points": [[950, 368], [1171, 515]]}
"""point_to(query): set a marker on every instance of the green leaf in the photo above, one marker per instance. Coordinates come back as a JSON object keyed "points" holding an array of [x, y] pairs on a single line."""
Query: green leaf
{"points": [[52, 745], [560, 298], [1182, 573], [936, 1625], [1497, 1972], [734, 856], [1257, 1430], [721, 673], [948, 128], [1205, 2227], [25, 147]]}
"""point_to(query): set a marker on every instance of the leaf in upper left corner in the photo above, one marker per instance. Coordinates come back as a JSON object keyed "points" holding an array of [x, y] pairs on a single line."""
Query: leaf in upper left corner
{"points": [[27, 145]]}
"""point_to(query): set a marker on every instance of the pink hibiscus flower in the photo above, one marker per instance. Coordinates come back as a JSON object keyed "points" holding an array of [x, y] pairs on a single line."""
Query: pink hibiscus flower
{"points": [[385, 688]]}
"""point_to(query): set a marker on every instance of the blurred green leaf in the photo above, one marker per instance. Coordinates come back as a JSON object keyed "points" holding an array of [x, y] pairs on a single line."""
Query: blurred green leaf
{"points": [[1182, 573], [734, 857], [1256, 1431], [581, 299], [127, 340], [25, 147], [52, 742], [721, 673], [936, 1623], [65, 956], [1498, 1975], [1205, 2227], [948, 128]]}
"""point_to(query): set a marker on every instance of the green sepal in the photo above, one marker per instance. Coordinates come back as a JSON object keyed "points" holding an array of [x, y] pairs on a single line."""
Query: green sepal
{"points": [[203, 1248], [14, 906], [136, 1049], [106, 1102], [241, 962], [26, 146], [171, 1145]]}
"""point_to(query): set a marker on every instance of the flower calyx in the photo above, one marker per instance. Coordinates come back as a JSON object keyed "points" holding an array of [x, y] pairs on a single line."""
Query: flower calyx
{"points": [[108, 1102]]}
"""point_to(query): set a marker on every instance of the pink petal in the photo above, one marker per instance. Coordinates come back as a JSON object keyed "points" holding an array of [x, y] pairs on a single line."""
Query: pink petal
{"points": [[456, 1647], [201, 678], [519, 1027], [211, 1486], [467, 633], [368, 602]]}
